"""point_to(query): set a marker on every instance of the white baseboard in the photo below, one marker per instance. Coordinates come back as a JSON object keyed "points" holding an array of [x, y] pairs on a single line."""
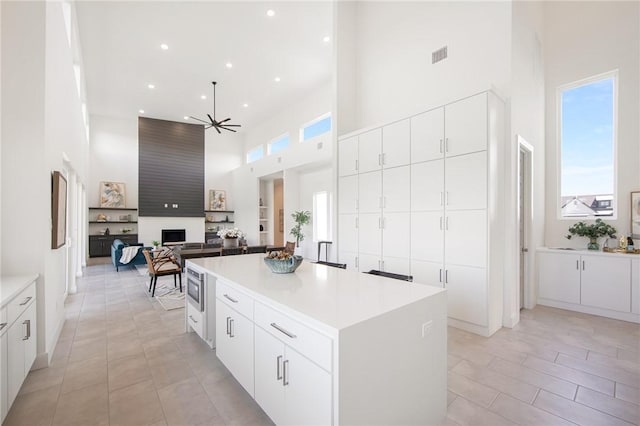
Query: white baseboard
{"points": [[43, 360]]}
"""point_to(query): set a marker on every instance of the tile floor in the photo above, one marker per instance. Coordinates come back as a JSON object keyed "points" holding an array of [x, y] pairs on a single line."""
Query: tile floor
{"points": [[123, 360]]}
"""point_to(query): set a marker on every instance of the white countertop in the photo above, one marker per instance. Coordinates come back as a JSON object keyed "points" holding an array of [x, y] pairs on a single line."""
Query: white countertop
{"points": [[11, 286], [586, 252], [335, 297]]}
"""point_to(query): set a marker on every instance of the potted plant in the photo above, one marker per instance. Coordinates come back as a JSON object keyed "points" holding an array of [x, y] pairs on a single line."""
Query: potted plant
{"points": [[593, 231], [155, 244], [230, 237], [301, 218]]}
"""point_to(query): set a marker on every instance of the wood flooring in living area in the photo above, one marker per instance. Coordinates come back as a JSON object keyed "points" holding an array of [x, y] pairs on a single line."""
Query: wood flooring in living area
{"points": [[123, 360]]}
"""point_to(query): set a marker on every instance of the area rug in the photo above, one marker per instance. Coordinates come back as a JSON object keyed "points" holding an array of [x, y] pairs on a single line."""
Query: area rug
{"points": [[167, 295]]}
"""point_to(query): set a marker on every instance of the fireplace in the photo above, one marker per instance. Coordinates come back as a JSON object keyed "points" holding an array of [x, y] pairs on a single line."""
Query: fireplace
{"points": [[173, 236]]}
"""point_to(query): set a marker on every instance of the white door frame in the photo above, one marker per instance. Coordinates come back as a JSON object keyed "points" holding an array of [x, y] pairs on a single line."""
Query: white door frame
{"points": [[526, 217]]}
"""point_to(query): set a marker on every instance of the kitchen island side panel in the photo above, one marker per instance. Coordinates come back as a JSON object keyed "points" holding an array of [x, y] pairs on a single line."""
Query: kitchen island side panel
{"points": [[392, 369]]}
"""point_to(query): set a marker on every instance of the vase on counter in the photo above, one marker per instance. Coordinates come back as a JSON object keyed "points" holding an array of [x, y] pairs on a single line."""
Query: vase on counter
{"points": [[593, 244], [230, 242]]}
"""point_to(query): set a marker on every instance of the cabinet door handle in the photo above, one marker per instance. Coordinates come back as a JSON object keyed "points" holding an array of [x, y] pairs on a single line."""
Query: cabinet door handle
{"points": [[28, 333], [3, 325], [26, 301], [583, 265], [446, 198], [356, 261], [577, 265], [441, 198], [384, 158], [285, 373], [440, 146], [231, 328], [230, 298], [446, 145], [228, 327], [193, 319], [446, 224], [283, 331], [441, 223], [379, 159], [446, 276], [278, 364], [356, 165], [440, 275]]}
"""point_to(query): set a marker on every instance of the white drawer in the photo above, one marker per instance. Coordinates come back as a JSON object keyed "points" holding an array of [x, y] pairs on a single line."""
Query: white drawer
{"points": [[195, 320], [4, 325], [310, 343], [239, 301], [20, 303]]}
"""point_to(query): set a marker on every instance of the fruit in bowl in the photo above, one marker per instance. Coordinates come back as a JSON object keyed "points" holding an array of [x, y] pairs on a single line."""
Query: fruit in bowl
{"points": [[282, 262]]}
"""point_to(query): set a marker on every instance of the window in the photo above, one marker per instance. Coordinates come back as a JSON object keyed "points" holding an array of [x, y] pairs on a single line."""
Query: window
{"points": [[278, 144], [587, 147], [321, 216], [255, 154], [315, 128]]}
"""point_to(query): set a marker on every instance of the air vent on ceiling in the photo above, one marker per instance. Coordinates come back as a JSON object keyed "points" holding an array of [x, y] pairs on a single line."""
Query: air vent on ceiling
{"points": [[439, 55]]}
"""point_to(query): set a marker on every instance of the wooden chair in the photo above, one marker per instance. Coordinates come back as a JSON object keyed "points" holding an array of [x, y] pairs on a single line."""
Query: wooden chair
{"points": [[160, 266], [290, 247]]}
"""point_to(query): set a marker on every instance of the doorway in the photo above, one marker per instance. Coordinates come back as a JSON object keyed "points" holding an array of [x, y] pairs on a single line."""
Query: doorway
{"points": [[525, 191], [278, 212]]}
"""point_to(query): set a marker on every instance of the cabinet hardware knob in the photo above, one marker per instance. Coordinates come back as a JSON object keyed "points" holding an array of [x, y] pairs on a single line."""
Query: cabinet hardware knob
{"points": [[283, 331], [230, 298], [193, 319]]}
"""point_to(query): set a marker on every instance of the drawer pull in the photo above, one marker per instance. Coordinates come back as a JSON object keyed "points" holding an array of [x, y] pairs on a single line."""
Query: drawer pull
{"points": [[285, 375], [231, 298], [278, 364], [283, 331], [26, 301], [231, 328], [3, 325], [192, 319], [228, 326], [28, 333]]}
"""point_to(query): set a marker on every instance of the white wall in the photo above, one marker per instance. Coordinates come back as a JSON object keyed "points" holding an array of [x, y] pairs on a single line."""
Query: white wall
{"points": [[527, 121], [150, 228], [394, 41], [43, 129], [583, 39], [223, 153]]}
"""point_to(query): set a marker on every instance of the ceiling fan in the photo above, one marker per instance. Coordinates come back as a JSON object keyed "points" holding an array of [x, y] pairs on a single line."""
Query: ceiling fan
{"points": [[213, 122]]}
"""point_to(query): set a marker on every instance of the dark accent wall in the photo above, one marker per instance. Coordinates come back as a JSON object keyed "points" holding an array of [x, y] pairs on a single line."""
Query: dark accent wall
{"points": [[171, 168]]}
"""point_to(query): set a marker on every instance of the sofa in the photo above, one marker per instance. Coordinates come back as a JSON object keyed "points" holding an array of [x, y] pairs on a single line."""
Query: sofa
{"points": [[116, 254]]}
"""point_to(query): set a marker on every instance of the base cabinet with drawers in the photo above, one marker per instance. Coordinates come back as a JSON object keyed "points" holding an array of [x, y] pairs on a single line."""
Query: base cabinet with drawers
{"points": [[605, 284], [301, 344], [100, 245], [18, 337]]}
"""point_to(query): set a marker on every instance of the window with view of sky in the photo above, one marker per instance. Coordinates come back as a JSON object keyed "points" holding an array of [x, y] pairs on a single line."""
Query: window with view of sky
{"points": [[587, 147]]}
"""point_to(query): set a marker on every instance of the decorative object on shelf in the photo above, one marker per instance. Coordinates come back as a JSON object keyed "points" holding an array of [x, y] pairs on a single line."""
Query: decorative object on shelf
{"points": [[281, 262], [112, 194], [125, 230], [630, 245], [593, 231], [226, 218], [301, 218], [101, 217], [210, 218], [230, 237], [125, 218], [58, 210], [635, 214], [212, 121], [155, 244], [261, 227], [107, 232], [261, 202], [217, 199]]}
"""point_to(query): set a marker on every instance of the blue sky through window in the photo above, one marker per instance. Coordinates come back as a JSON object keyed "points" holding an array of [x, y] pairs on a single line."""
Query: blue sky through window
{"points": [[317, 128], [587, 139], [255, 154], [279, 144]]}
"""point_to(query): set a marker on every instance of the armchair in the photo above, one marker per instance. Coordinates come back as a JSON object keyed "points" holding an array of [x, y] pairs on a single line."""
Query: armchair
{"points": [[116, 253]]}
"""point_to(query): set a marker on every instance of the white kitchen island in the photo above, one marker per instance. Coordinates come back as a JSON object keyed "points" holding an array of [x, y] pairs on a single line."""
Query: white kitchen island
{"points": [[330, 346]]}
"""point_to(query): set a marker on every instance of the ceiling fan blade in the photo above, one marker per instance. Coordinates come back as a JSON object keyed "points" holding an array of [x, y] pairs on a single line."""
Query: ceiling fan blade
{"points": [[231, 125], [231, 130], [217, 129], [212, 120], [197, 119], [208, 127], [226, 119]]}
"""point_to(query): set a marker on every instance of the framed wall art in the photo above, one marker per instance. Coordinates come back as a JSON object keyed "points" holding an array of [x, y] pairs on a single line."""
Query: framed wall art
{"points": [[58, 210], [112, 195], [217, 199], [635, 214]]}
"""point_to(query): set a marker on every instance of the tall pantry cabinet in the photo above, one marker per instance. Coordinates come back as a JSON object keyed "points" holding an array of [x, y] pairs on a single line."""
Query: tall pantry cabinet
{"points": [[422, 197]]}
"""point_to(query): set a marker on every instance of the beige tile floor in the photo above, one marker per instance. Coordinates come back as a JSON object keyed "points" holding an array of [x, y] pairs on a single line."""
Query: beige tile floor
{"points": [[123, 360]]}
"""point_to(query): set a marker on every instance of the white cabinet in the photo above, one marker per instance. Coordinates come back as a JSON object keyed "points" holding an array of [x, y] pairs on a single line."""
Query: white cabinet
{"points": [[370, 192], [290, 388], [396, 144], [427, 136], [592, 282], [466, 125], [427, 241], [234, 344], [3, 370], [348, 156], [369, 235], [370, 151], [395, 229], [466, 182], [396, 191], [348, 232], [427, 186], [465, 238], [467, 291], [348, 194]]}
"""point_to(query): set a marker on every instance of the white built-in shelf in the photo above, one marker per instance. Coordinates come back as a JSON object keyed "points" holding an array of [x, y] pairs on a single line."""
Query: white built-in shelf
{"points": [[219, 221], [113, 221], [264, 220], [263, 207], [114, 208], [263, 232], [219, 211]]}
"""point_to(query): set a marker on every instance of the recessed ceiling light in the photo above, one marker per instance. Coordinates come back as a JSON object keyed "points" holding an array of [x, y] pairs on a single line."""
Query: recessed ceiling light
{"points": [[151, 86], [186, 117], [203, 96], [270, 13], [326, 39], [141, 111], [229, 65], [245, 105], [164, 46], [277, 79]]}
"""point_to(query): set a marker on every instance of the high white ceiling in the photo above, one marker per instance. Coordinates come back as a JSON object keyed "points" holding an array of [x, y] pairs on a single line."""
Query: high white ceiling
{"points": [[122, 56]]}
